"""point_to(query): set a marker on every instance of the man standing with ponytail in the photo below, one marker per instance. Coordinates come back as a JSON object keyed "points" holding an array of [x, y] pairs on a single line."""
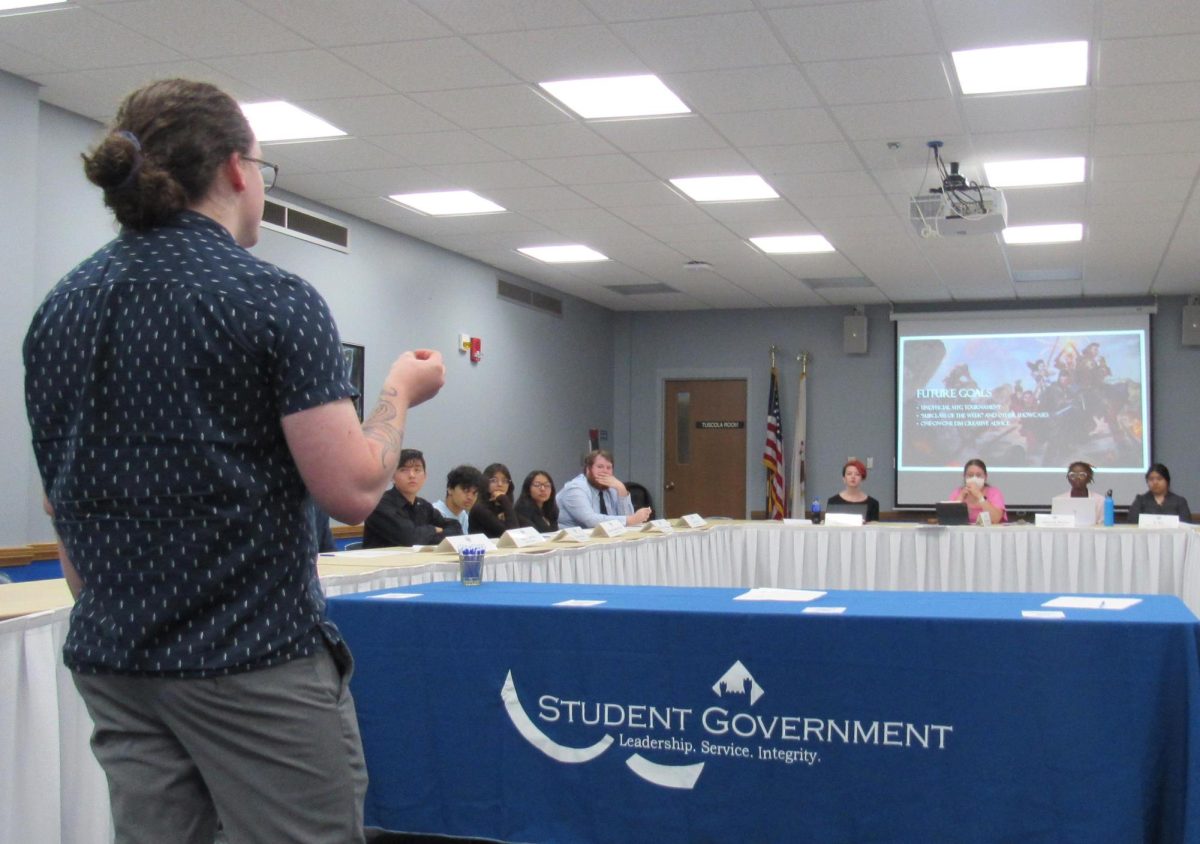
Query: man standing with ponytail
{"points": [[186, 400]]}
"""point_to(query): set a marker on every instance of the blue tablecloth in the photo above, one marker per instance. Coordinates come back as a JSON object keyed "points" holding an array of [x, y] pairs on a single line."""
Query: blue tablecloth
{"points": [[673, 714]]}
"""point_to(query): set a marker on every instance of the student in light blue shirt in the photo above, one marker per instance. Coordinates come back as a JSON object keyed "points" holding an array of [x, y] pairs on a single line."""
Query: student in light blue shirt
{"points": [[462, 489], [597, 495]]}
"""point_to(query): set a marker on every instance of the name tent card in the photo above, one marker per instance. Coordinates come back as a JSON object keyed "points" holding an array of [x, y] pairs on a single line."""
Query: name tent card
{"points": [[1054, 520], [471, 540], [572, 534], [609, 528], [520, 538], [844, 519], [1157, 520], [658, 526], [692, 520], [800, 522]]}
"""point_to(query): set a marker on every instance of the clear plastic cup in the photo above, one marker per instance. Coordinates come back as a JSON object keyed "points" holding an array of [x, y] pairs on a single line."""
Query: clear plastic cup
{"points": [[470, 566]]}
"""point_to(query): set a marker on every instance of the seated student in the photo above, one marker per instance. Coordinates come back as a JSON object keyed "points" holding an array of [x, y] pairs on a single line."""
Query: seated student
{"points": [[401, 518], [462, 490], [853, 474], [494, 514], [596, 496], [536, 508], [978, 495], [1080, 475], [1158, 498]]}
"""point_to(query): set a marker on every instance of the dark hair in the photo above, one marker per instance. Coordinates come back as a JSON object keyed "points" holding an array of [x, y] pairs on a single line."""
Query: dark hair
{"points": [[1161, 470], [499, 469], [409, 455], [163, 150], [857, 464], [593, 456], [550, 508], [975, 461], [464, 476], [1087, 467]]}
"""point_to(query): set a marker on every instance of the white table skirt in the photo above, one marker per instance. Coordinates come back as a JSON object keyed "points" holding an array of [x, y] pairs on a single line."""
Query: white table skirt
{"points": [[52, 790]]}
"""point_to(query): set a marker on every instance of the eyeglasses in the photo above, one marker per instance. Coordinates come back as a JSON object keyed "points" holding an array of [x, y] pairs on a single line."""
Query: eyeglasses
{"points": [[270, 172], [539, 485], [1076, 474], [497, 482]]}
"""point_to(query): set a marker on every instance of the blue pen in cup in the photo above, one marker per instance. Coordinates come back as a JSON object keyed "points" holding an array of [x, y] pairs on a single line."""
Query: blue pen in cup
{"points": [[470, 566]]}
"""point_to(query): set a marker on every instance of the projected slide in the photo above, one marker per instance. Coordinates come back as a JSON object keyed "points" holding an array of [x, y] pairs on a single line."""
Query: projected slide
{"points": [[1023, 400]]}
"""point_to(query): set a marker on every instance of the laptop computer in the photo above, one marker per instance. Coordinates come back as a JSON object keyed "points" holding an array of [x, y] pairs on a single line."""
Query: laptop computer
{"points": [[1083, 509], [848, 507], [951, 513]]}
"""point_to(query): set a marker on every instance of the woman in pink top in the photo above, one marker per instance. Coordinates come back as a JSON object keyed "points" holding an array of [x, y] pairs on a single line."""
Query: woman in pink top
{"points": [[978, 495]]}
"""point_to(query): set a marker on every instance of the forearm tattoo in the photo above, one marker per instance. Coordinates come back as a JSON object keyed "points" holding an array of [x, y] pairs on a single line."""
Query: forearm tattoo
{"points": [[384, 428]]}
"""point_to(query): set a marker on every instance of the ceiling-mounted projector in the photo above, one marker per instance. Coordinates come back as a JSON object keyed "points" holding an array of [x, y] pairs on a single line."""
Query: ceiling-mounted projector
{"points": [[958, 207]]}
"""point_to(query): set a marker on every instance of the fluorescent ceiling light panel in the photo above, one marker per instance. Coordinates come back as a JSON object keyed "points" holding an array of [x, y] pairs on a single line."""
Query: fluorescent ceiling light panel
{"points": [[725, 188], [281, 121], [447, 203], [573, 253], [1056, 233], [1029, 67], [6, 5], [793, 244], [616, 96], [1034, 171]]}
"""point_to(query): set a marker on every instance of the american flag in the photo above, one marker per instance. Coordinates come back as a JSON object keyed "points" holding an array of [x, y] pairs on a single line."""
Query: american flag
{"points": [[773, 452]]}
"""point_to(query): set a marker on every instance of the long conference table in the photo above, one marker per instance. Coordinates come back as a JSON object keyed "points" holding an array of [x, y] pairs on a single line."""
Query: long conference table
{"points": [[52, 791], [668, 715]]}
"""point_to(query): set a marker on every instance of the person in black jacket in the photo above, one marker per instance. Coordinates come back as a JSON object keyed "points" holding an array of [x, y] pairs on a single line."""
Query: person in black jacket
{"points": [[536, 508], [1158, 498], [493, 514], [401, 518]]}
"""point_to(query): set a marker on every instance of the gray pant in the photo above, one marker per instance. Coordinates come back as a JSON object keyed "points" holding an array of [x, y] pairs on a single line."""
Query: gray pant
{"points": [[273, 754]]}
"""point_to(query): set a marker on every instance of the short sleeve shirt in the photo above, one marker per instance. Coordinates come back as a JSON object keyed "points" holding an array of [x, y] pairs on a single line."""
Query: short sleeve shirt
{"points": [[156, 376]]}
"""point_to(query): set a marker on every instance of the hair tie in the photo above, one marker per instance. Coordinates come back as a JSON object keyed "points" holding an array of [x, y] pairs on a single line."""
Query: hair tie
{"points": [[137, 160]]}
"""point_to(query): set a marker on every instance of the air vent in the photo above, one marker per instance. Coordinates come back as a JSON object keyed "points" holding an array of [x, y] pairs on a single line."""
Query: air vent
{"points": [[305, 225], [640, 289], [523, 296]]}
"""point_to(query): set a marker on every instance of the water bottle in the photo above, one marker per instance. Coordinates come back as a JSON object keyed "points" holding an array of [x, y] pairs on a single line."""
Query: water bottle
{"points": [[816, 511], [1109, 518]]}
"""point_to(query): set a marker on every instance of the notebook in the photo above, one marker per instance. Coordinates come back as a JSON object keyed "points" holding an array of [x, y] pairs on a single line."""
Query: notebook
{"points": [[952, 513]]}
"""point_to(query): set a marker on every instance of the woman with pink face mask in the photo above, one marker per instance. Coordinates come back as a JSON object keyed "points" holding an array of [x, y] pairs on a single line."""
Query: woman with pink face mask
{"points": [[979, 495]]}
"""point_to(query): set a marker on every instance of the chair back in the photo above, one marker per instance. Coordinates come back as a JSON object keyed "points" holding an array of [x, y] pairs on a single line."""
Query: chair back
{"points": [[640, 496]]}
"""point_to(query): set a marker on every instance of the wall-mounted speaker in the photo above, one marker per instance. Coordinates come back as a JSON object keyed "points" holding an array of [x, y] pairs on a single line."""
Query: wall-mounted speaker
{"points": [[1191, 325], [854, 334]]}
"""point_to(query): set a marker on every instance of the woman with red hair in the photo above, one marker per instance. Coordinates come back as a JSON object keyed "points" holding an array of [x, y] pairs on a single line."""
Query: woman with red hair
{"points": [[853, 474]]}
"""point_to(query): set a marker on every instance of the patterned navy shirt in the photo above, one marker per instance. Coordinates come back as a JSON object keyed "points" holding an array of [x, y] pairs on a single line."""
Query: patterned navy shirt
{"points": [[156, 374]]}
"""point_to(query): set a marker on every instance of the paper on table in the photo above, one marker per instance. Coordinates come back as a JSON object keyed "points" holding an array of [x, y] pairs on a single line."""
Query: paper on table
{"points": [[1043, 614], [1078, 602], [578, 602], [370, 552], [773, 594], [824, 610], [394, 596], [797, 521]]}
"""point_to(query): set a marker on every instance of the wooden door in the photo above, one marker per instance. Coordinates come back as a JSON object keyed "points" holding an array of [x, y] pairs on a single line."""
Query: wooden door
{"points": [[704, 462]]}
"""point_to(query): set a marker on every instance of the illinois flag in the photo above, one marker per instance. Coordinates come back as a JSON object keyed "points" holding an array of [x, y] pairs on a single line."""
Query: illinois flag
{"points": [[773, 452]]}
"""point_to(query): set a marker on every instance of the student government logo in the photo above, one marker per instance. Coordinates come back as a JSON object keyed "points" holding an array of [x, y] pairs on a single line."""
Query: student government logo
{"points": [[734, 728]]}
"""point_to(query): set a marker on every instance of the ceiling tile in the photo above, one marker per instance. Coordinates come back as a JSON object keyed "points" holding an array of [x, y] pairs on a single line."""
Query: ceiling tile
{"points": [[562, 139], [1044, 110], [546, 55], [694, 162], [458, 147], [703, 43], [475, 16], [635, 10], [1131, 18], [628, 194], [483, 108], [211, 28], [857, 30], [336, 154], [1134, 168], [933, 118], [772, 87], [306, 74], [380, 115], [970, 24], [490, 174], [803, 158], [666, 133], [1148, 61], [767, 128], [1148, 103], [537, 199], [430, 65], [880, 80], [1183, 136], [80, 39], [591, 169], [355, 21]]}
